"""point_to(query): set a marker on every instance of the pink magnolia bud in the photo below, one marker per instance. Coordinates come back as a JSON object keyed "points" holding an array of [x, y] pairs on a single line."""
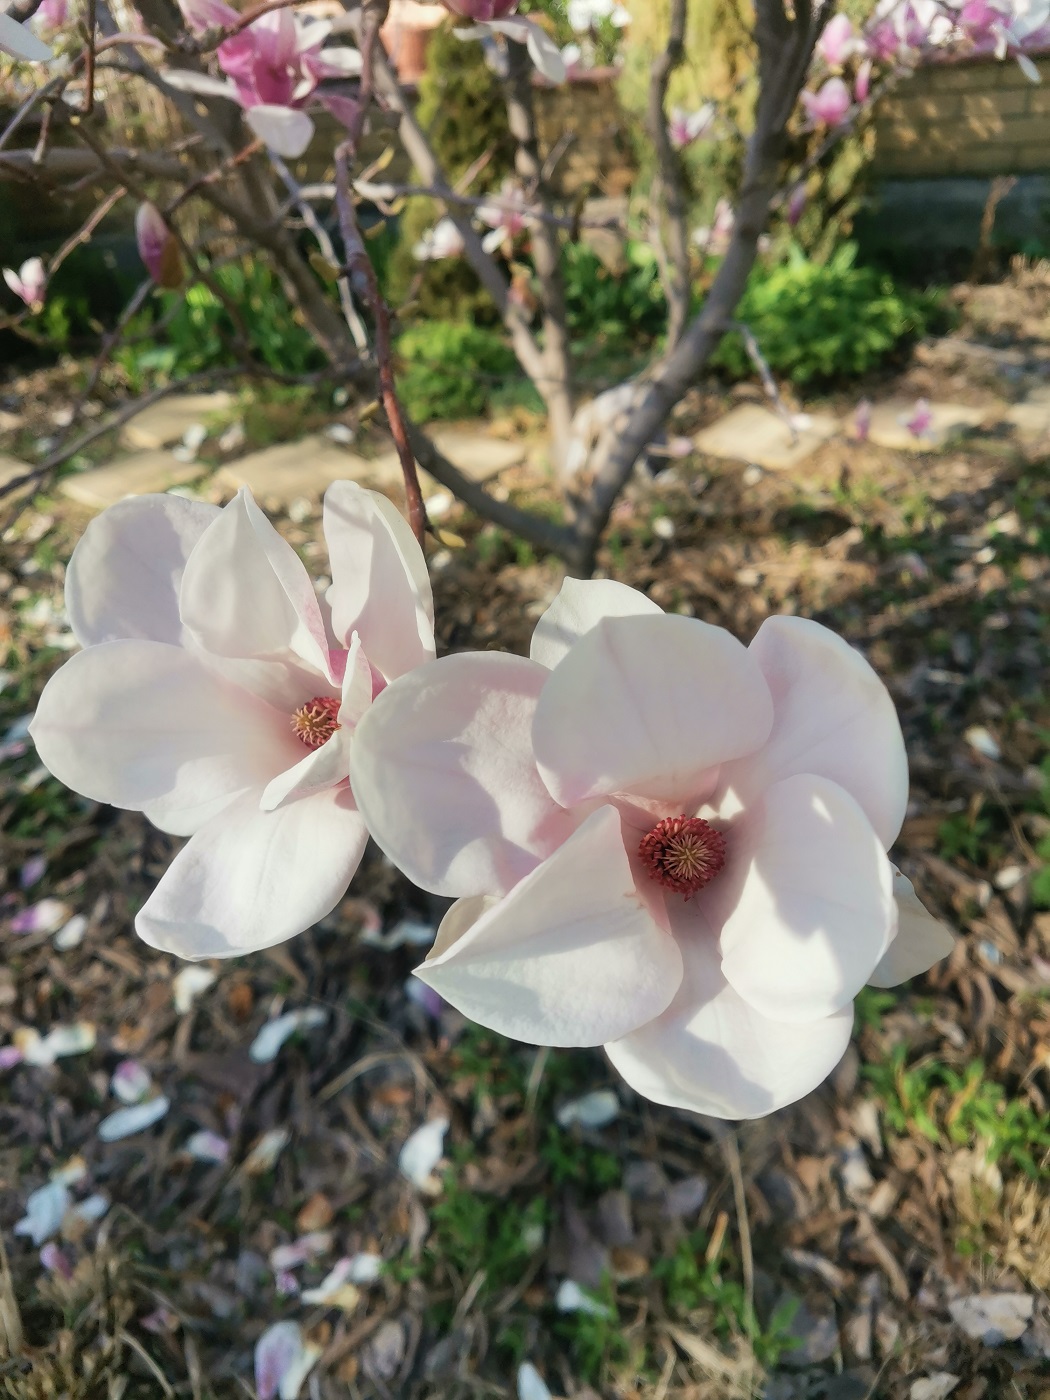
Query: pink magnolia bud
{"points": [[862, 82], [481, 10], [29, 282], [796, 204], [837, 42], [830, 106], [862, 420], [157, 247], [53, 14]]}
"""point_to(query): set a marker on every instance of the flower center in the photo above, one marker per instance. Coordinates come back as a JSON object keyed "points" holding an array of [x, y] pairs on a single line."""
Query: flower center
{"points": [[316, 721], [683, 853]]}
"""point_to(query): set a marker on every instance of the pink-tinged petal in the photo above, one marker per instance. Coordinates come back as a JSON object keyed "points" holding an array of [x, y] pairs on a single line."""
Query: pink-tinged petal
{"points": [[561, 960], [138, 724], [16, 40], [285, 130], [920, 940], [380, 586], [202, 15], [124, 577], [442, 769], [158, 247], [805, 903], [245, 592], [832, 716], [184, 80], [330, 764], [580, 605], [250, 879], [334, 63], [311, 34], [648, 706], [711, 1052]]}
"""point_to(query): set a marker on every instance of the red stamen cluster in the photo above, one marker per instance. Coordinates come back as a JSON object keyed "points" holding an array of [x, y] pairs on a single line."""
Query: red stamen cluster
{"points": [[683, 853], [316, 721]]}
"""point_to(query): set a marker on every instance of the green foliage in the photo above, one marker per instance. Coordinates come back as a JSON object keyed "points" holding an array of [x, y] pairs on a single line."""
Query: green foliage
{"points": [[871, 1004], [569, 1159], [613, 307], [451, 369], [471, 1232], [962, 1107], [966, 836], [461, 108], [596, 1339], [815, 321], [199, 332]]}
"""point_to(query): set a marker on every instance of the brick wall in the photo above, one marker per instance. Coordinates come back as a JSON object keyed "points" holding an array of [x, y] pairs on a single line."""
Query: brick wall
{"points": [[977, 118]]}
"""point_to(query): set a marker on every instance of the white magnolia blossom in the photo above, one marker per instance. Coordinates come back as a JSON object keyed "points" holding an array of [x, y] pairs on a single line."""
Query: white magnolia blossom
{"points": [[661, 841], [219, 695]]}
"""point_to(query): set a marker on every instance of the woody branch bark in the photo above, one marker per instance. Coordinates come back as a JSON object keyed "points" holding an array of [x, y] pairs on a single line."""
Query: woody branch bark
{"points": [[668, 196]]}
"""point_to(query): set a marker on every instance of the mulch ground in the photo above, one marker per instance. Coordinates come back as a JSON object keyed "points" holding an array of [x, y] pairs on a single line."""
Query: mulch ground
{"points": [[833, 1251]]}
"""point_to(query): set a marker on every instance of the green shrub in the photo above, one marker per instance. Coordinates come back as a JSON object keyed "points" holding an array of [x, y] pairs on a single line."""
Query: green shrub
{"points": [[609, 306], [451, 369], [828, 320]]}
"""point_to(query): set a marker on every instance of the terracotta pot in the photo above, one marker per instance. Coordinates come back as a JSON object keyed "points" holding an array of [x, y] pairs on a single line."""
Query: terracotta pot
{"points": [[407, 47]]}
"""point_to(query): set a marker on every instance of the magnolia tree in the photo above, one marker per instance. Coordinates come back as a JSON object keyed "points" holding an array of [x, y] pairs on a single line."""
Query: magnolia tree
{"points": [[658, 840]]}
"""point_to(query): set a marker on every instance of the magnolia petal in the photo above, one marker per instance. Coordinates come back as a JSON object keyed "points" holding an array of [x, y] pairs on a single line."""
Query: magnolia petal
{"points": [[188, 985], [45, 1210], [571, 1298], [561, 960], [128, 1121], [648, 706], [131, 1081], [264, 1048], [595, 1110], [380, 586], [283, 1360], [16, 40], [422, 1152], [531, 1385], [123, 578], [246, 593], [580, 605], [711, 1052], [545, 54], [137, 724], [206, 1146], [337, 63], [832, 716], [202, 84], [920, 940], [455, 738], [285, 130], [805, 904], [250, 879]]}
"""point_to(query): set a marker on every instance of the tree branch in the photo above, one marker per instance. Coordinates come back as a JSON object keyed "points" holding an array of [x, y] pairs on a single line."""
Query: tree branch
{"points": [[669, 183]]}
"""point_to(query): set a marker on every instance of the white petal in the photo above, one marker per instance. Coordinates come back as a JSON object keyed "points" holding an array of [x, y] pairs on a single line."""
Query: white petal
{"points": [[594, 1110], [273, 1035], [649, 706], [365, 1268], [266, 1151], [282, 1362], [545, 54], [805, 903], [130, 1081], [124, 575], [572, 956], [88, 1211], [61, 1041], [422, 1152], [17, 40], [188, 985], [186, 81], [712, 1053], [580, 605], [455, 738], [920, 940], [207, 1147], [45, 1210], [380, 585], [832, 716], [531, 1385], [250, 879], [284, 129], [71, 934], [127, 1121], [571, 1298]]}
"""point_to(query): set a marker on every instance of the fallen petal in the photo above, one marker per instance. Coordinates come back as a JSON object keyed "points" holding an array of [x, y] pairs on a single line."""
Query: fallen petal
{"points": [[279, 1361], [266, 1151], [593, 1110], [571, 1298], [422, 1152], [273, 1035], [71, 934], [45, 1211], [993, 1318], [46, 916], [207, 1147], [188, 985], [128, 1121], [131, 1081], [531, 1385]]}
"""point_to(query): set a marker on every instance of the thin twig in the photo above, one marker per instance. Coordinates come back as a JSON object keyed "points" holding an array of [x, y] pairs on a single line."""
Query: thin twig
{"points": [[769, 384]]}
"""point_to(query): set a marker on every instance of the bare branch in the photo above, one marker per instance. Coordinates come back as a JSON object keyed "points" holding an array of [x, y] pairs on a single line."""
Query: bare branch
{"points": [[669, 183]]}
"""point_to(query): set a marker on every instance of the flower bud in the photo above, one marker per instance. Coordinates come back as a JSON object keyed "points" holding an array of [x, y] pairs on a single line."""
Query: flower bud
{"points": [[157, 246]]}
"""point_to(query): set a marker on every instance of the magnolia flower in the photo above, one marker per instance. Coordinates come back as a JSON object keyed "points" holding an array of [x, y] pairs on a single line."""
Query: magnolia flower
{"points": [[507, 218], [660, 840], [862, 83], [444, 240], [158, 247], [830, 106], [16, 40], [218, 694], [272, 67], [714, 238], [53, 14], [585, 14], [920, 421], [29, 282], [544, 52], [686, 127], [837, 42], [862, 420]]}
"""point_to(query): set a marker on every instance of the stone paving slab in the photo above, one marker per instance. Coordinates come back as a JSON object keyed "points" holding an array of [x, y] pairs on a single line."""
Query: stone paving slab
{"points": [[1031, 420], [478, 455], [165, 422], [888, 430], [304, 470], [755, 434], [10, 470], [139, 474]]}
